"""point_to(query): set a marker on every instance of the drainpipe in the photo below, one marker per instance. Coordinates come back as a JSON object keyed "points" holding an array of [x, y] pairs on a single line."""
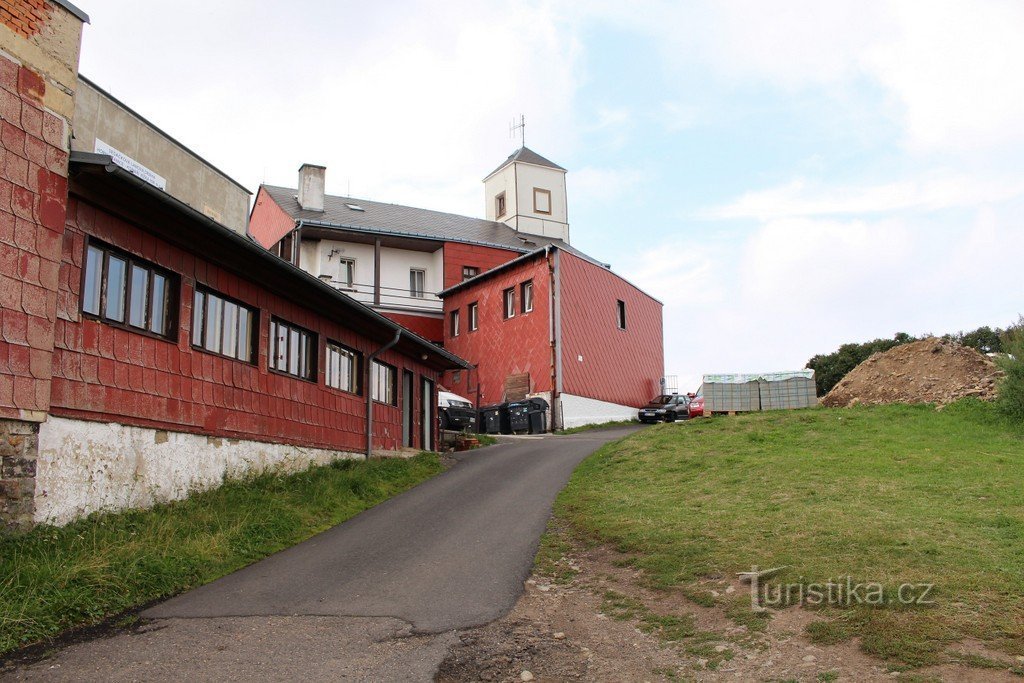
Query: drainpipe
{"points": [[556, 323], [376, 272], [368, 388]]}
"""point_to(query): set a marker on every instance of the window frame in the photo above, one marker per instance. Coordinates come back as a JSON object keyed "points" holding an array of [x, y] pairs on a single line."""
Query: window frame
{"points": [[500, 205], [523, 289], [508, 303], [421, 292], [351, 269], [475, 269], [473, 317], [454, 323], [254, 325], [539, 191], [314, 350], [392, 373], [172, 289], [620, 314], [357, 367]]}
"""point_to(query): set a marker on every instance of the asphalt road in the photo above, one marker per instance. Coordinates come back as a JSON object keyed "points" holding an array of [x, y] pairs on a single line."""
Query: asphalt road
{"points": [[451, 553]]}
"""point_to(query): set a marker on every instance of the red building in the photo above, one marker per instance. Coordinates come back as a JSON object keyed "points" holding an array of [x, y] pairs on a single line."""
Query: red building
{"points": [[148, 351], [590, 342], [556, 325]]}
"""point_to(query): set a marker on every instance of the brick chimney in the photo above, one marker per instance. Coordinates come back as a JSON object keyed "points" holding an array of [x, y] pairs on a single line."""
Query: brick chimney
{"points": [[311, 187]]}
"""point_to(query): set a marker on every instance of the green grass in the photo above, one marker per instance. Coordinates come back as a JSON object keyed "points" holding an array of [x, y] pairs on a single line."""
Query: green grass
{"points": [[53, 579], [890, 494], [602, 425]]}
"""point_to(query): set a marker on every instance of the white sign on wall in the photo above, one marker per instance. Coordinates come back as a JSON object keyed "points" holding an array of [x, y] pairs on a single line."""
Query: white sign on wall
{"points": [[130, 165]]}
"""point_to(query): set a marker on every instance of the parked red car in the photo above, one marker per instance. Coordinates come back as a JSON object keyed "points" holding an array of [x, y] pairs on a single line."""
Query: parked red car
{"points": [[697, 405]]}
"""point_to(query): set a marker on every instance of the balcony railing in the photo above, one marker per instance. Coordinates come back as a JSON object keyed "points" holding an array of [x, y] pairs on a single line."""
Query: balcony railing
{"points": [[392, 297]]}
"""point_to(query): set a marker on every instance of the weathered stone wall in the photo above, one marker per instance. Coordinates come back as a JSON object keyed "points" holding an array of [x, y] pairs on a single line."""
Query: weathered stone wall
{"points": [[19, 445]]}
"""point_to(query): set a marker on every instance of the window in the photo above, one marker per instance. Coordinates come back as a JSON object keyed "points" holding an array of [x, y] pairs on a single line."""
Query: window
{"points": [[342, 371], [499, 205], [346, 271], [453, 318], [384, 381], [620, 310], [473, 315], [526, 296], [416, 278], [509, 299], [541, 200], [124, 290], [222, 326], [292, 350], [469, 271]]}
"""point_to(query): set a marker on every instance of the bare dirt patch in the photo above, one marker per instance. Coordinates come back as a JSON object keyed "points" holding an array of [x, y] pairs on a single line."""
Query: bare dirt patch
{"points": [[590, 616], [927, 371]]}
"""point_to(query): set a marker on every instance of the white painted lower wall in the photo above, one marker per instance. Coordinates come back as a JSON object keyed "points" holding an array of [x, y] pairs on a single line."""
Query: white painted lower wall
{"points": [[580, 410], [83, 466]]}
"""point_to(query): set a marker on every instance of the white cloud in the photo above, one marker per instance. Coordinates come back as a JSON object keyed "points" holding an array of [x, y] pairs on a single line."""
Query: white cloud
{"points": [[592, 186], [396, 112], [955, 68], [950, 69], [787, 289], [677, 116], [931, 192]]}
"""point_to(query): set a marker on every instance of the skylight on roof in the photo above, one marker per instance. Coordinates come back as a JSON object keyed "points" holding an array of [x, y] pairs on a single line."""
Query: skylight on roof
{"points": [[355, 207]]}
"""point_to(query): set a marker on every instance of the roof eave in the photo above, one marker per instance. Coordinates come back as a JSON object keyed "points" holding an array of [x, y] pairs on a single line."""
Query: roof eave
{"points": [[105, 163]]}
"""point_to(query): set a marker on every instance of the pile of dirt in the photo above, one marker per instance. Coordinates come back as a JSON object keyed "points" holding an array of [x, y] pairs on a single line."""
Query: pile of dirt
{"points": [[927, 371]]}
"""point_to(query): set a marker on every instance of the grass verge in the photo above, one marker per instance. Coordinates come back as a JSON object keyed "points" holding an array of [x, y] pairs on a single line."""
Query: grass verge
{"points": [[601, 425], [888, 494], [54, 579]]}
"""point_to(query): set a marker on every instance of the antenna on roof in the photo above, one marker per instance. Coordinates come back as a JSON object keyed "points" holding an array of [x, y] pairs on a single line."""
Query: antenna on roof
{"points": [[521, 127]]}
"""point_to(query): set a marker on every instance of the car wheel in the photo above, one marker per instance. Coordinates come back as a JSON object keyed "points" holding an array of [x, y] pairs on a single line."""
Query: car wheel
{"points": [[670, 417], [444, 421]]}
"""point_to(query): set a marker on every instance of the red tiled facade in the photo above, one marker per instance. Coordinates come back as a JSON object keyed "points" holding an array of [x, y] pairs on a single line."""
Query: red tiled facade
{"points": [[430, 328], [502, 347], [459, 254], [619, 366], [268, 222], [103, 372], [623, 367], [33, 190]]}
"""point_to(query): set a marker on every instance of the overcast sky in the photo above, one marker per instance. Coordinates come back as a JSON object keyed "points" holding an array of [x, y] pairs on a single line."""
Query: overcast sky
{"points": [[784, 176]]}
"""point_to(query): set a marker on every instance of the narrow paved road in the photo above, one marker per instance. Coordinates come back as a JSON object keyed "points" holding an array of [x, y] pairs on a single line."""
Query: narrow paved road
{"points": [[377, 597]]}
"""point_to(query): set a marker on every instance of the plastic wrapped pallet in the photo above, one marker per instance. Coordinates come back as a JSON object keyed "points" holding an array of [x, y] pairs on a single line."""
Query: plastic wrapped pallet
{"points": [[763, 391]]}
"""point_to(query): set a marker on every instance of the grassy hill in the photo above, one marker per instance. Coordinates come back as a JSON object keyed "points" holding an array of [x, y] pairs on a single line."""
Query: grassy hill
{"points": [[889, 494]]}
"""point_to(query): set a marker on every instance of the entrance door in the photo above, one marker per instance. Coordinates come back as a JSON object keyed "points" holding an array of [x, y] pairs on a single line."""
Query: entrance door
{"points": [[428, 409], [407, 408]]}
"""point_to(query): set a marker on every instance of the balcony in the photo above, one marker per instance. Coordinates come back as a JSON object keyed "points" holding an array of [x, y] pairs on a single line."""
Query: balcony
{"points": [[391, 298]]}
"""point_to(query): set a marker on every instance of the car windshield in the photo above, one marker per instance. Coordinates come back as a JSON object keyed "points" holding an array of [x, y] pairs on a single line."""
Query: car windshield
{"points": [[662, 400]]}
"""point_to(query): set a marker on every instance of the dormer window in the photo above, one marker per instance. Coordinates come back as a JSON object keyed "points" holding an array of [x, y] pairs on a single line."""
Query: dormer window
{"points": [[499, 205], [541, 201]]}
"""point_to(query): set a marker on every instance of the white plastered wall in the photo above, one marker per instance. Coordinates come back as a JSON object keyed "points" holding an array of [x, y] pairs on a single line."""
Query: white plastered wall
{"points": [[579, 410], [323, 258], [84, 467]]}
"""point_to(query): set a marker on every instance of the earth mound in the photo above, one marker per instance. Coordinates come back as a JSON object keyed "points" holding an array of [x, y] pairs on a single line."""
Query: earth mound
{"points": [[927, 371]]}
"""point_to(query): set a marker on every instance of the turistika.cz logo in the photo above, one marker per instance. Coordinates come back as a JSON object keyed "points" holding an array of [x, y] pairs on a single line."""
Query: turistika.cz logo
{"points": [[843, 591]]}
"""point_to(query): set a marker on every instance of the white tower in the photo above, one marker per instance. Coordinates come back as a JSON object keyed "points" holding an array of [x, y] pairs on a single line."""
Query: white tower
{"points": [[527, 192]]}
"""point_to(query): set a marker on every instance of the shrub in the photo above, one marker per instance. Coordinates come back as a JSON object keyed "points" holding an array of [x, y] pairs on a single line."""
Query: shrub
{"points": [[1011, 389]]}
